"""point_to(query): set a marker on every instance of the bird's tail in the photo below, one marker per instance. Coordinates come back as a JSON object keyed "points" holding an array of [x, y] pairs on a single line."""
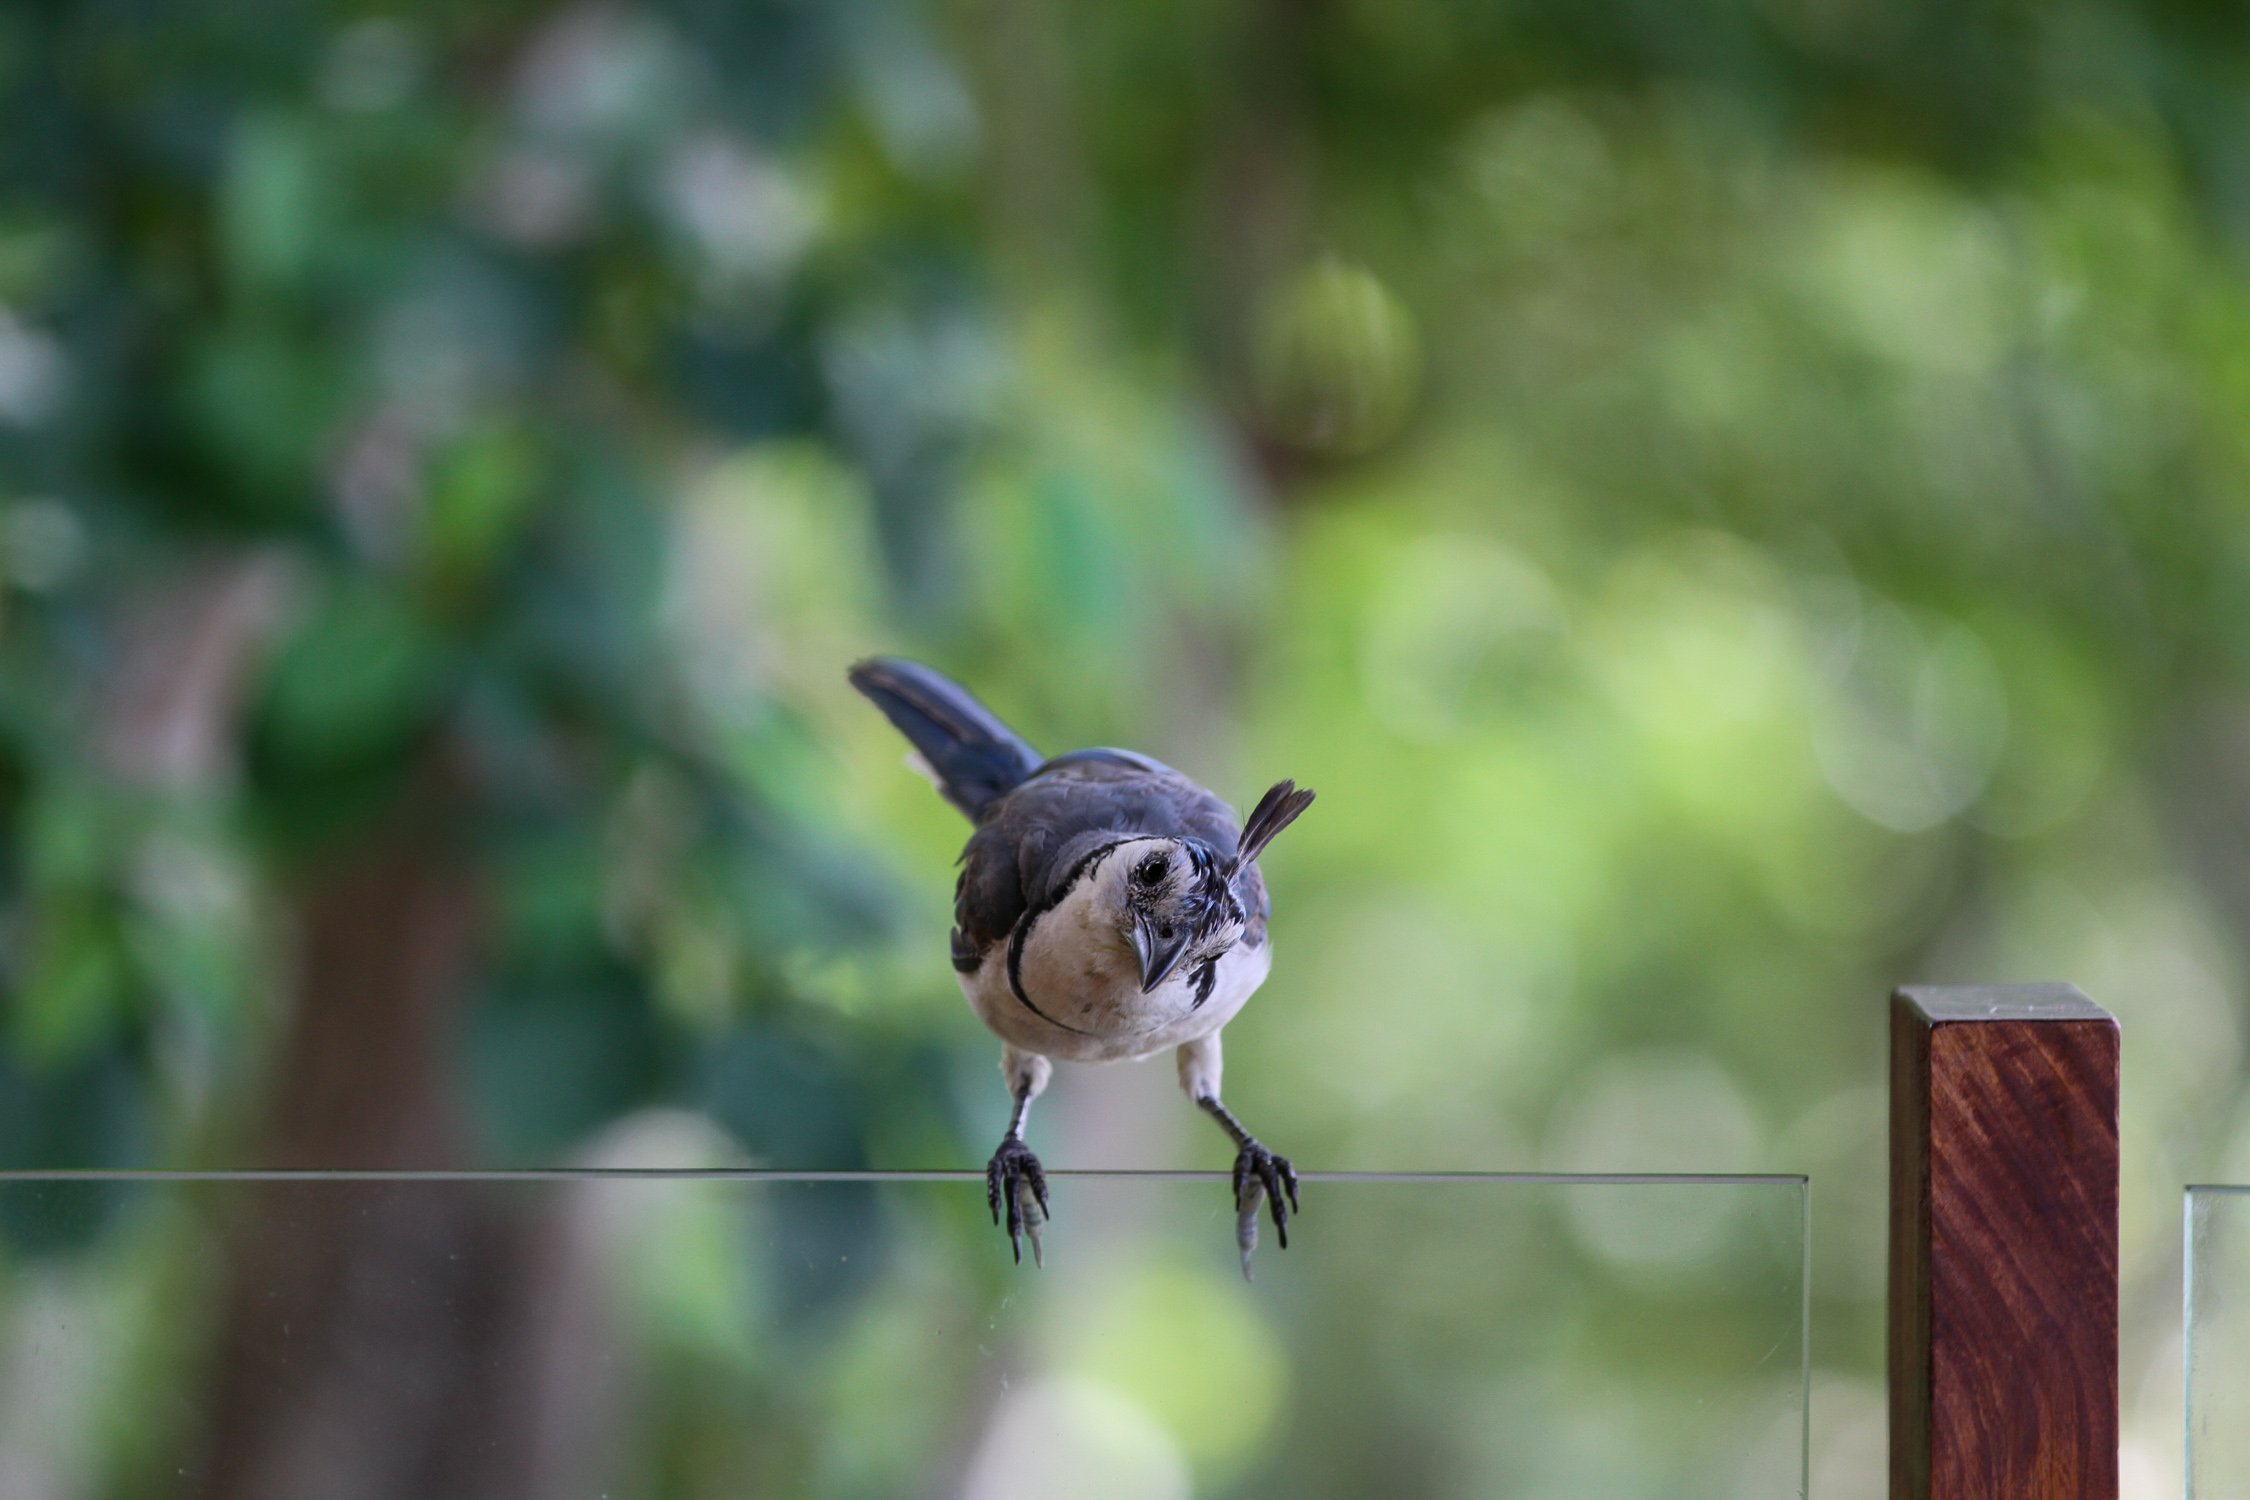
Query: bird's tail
{"points": [[971, 755]]}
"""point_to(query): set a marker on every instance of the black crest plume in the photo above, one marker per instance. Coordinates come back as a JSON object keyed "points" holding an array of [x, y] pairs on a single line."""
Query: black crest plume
{"points": [[1276, 810]]}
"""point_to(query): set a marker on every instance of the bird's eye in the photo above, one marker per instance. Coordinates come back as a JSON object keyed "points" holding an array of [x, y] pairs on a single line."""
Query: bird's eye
{"points": [[1151, 871]]}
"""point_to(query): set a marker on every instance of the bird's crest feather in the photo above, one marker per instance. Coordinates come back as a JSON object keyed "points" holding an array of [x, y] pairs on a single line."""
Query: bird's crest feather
{"points": [[1276, 810]]}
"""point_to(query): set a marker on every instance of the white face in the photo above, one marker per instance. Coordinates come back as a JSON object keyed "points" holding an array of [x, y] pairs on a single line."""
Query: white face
{"points": [[1177, 912], [1116, 893]]}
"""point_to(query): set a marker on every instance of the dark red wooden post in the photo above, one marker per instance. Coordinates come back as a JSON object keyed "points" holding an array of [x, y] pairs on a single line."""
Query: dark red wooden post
{"points": [[2003, 1312]]}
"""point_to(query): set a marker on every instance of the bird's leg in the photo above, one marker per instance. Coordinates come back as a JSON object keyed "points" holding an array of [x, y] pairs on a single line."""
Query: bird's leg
{"points": [[1013, 1180], [1260, 1176]]}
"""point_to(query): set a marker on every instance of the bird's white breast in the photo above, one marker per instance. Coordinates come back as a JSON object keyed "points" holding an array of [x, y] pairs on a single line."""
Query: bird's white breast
{"points": [[1082, 997]]}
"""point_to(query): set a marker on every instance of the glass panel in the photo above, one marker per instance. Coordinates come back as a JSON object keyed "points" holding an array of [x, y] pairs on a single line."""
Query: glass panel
{"points": [[2218, 1343], [651, 1335]]}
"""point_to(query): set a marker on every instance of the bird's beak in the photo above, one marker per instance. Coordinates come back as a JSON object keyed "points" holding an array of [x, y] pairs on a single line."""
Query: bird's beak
{"points": [[1159, 956]]}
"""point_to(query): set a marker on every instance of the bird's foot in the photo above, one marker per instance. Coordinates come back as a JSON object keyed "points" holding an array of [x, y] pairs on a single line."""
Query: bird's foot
{"points": [[1261, 1177], [1014, 1182]]}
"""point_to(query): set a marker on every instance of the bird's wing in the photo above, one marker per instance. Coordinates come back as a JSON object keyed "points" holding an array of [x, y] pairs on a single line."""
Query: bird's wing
{"points": [[1030, 841]]}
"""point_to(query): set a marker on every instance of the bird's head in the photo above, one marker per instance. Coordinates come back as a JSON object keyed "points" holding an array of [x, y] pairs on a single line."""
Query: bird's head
{"points": [[1181, 901], [1180, 906]]}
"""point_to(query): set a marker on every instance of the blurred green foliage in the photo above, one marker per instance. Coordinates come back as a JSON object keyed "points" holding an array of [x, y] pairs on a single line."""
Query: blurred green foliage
{"points": [[1733, 506], [688, 1339]]}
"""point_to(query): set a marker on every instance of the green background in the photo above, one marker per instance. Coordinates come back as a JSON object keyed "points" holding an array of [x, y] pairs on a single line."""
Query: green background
{"points": [[1733, 506]]}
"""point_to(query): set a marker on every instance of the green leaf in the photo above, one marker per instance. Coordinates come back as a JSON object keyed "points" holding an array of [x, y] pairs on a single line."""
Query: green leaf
{"points": [[361, 673], [268, 205], [74, 987], [480, 490]]}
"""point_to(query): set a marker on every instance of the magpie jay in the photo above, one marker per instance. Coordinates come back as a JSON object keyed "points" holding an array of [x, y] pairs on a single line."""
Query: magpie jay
{"points": [[1107, 908]]}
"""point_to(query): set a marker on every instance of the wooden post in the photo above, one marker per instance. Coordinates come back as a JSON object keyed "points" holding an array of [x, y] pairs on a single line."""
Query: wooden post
{"points": [[2003, 1295]]}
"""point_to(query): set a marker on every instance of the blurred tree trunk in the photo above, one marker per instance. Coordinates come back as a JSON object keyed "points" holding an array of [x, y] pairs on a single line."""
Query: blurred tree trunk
{"points": [[1252, 215], [395, 1340]]}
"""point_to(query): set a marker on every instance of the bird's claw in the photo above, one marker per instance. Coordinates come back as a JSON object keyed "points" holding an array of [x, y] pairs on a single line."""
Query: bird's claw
{"points": [[1261, 1177], [1014, 1182]]}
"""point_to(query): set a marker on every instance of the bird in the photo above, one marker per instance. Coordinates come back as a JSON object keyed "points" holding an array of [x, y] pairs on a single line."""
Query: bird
{"points": [[1108, 908]]}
